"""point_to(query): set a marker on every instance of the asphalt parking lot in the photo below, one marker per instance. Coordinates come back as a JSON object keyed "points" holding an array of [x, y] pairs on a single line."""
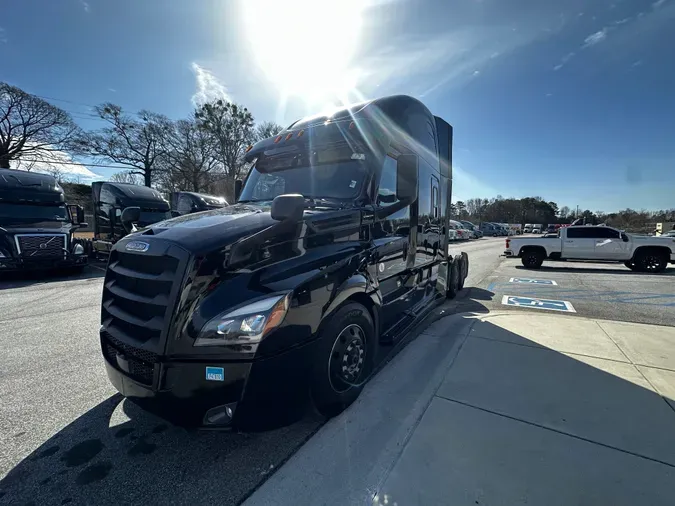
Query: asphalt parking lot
{"points": [[594, 290], [67, 437]]}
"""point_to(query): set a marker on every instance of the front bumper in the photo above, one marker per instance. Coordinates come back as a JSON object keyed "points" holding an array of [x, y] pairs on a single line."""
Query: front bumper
{"points": [[260, 394], [28, 264]]}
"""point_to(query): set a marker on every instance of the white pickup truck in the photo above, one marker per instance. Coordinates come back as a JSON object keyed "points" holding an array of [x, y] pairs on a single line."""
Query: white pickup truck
{"points": [[637, 252]]}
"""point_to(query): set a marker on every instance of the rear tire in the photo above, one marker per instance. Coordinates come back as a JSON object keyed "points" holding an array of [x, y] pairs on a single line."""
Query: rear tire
{"points": [[651, 261], [532, 259], [344, 359], [466, 265], [453, 279]]}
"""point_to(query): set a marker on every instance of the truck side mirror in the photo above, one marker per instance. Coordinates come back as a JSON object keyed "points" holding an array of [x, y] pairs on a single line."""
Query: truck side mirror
{"points": [[129, 217], [407, 178], [288, 207], [237, 189], [624, 237]]}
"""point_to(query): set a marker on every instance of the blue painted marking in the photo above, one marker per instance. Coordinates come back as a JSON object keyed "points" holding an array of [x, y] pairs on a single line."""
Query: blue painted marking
{"points": [[530, 302], [533, 281], [215, 374]]}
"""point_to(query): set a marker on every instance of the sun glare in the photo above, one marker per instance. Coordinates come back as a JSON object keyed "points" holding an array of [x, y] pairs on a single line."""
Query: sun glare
{"points": [[306, 47]]}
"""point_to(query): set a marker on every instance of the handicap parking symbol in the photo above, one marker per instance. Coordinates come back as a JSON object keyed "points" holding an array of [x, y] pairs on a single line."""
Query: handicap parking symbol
{"points": [[533, 281], [529, 302]]}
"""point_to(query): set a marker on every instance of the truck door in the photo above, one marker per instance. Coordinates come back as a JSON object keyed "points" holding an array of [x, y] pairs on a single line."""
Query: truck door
{"points": [[394, 241], [609, 245], [579, 243]]}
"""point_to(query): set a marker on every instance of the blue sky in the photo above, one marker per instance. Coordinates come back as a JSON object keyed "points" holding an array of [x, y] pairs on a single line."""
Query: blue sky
{"points": [[570, 100]]}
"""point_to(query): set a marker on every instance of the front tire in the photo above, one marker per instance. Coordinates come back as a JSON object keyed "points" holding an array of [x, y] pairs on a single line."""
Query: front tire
{"points": [[532, 259], [344, 359]]}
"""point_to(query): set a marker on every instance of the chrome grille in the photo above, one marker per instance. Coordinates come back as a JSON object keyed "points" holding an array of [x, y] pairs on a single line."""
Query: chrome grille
{"points": [[41, 245]]}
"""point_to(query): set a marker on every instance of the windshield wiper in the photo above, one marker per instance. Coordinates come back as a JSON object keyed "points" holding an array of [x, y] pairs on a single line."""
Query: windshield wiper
{"points": [[325, 202]]}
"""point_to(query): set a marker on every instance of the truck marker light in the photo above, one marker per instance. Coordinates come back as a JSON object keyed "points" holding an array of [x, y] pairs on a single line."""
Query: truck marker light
{"points": [[276, 141], [249, 148], [508, 243], [301, 133], [289, 136]]}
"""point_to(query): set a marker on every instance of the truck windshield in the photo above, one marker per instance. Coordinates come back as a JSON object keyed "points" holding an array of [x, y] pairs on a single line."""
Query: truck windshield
{"points": [[153, 216], [332, 180], [30, 213]]}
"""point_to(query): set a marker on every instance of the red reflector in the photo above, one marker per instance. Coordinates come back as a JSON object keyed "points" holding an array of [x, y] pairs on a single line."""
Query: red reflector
{"points": [[301, 133], [277, 139], [508, 243]]}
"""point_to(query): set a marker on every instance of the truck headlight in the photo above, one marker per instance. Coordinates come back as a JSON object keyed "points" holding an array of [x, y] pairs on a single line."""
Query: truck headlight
{"points": [[245, 325], [78, 249]]}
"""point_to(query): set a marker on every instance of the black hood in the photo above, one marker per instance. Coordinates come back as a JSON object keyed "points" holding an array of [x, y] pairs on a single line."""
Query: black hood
{"points": [[206, 231]]}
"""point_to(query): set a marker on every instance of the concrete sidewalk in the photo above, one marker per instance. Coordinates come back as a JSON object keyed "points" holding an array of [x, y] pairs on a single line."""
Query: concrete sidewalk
{"points": [[513, 407]]}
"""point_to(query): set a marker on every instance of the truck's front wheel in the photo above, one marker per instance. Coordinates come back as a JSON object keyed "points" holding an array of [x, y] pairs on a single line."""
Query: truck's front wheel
{"points": [[532, 259], [344, 359]]}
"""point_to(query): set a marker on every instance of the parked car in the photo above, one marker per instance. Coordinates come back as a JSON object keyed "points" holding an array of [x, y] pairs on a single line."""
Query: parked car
{"points": [[476, 231], [637, 252], [527, 229], [463, 233], [452, 232], [490, 229]]}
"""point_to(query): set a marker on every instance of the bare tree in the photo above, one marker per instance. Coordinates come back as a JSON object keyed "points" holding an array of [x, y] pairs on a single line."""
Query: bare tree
{"points": [[265, 130], [126, 176], [231, 127], [137, 142], [191, 156], [31, 127]]}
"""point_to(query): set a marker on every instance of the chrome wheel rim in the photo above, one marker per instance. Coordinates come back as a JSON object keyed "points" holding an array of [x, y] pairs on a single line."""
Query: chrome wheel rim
{"points": [[347, 358]]}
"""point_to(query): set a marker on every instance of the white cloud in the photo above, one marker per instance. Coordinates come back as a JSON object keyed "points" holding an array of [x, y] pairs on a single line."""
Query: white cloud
{"points": [[112, 90], [658, 4], [564, 60], [85, 6], [208, 86], [3, 35], [595, 38], [55, 163]]}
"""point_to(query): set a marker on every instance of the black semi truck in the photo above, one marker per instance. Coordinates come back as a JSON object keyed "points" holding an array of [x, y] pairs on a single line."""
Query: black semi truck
{"points": [[336, 247], [36, 225], [191, 202], [110, 201]]}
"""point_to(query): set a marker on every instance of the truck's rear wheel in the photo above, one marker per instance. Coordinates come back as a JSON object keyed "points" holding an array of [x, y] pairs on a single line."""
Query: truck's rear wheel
{"points": [[532, 259], [651, 261], [344, 359], [452, 283]]}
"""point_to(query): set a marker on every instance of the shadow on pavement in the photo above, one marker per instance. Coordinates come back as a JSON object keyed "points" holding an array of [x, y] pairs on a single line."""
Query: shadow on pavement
{"points": [[19, 279], [519, 420], [117, 453], [594, 270]]}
